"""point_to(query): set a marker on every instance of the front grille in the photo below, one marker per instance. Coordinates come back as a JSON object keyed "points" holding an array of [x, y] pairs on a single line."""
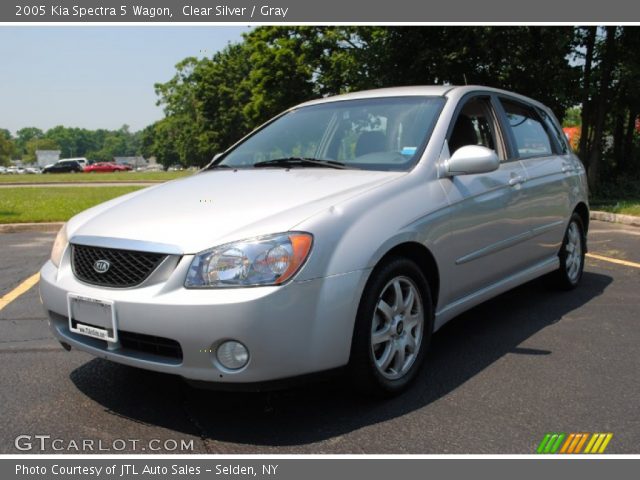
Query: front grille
{"points": [[163, 347], [127, 268]]}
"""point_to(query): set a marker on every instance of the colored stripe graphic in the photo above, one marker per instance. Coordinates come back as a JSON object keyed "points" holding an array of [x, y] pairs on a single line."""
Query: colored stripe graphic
{"points": [[573, 443], [604, 445], [556, 445], [598, 442], [543, 443], [565, 447], [581, 443], [551, 443], [590, 444]]}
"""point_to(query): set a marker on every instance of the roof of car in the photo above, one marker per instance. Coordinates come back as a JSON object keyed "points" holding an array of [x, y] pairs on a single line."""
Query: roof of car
{"points": [[418, 90], [432, 90]]}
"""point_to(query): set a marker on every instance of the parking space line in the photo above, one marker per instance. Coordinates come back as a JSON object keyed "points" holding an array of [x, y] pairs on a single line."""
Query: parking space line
{"points": [[19, 290], [626, 263]]}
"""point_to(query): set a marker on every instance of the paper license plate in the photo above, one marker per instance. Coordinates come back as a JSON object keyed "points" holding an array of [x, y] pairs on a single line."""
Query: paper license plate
{"points": [[92, 317]]}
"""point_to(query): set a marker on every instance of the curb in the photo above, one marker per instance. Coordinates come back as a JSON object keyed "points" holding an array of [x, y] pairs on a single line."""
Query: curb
{"points": [[30, 227], [615, 218], [55, 226]]}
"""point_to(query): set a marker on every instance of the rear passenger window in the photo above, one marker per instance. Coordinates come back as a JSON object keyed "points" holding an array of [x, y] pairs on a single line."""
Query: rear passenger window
{"points": [[532, 139]]}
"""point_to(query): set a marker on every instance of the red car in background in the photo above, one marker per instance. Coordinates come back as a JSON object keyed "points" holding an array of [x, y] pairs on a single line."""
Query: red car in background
{"points": [[106, 167]]}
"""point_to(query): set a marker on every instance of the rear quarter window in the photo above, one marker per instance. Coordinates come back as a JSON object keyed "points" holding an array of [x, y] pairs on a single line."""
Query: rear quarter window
{"points": [[557, 135], [528, 129]]}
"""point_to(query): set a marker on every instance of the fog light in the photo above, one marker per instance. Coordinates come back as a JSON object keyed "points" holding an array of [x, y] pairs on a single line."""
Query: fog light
{"points": [[232, 355]]}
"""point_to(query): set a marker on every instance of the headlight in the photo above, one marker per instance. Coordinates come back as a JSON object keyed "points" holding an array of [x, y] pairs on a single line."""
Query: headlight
{"points": [[270, 260], [59, 245]]}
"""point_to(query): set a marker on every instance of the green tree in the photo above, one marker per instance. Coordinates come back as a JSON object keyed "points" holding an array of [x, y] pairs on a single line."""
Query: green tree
{"points": [[610, 91], [572, 117], [7, 148], [6, 134], [24, 135], [158, 140], [503, 57]]}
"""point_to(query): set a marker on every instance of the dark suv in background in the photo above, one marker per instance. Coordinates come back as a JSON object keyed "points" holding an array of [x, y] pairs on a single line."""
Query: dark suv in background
{"points": [[63, 166]]}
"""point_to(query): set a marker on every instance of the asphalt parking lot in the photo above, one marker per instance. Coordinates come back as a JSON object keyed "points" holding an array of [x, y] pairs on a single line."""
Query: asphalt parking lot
{"points": [[498, 378]]}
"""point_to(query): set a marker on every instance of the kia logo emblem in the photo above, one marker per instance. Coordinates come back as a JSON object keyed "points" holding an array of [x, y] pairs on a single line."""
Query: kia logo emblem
{"points": [[101, 266]]}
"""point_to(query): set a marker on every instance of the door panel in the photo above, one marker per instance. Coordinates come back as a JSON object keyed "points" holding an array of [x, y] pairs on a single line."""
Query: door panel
{"points": [[542, 152], [488, 221], [546, 192], [489, 228]]}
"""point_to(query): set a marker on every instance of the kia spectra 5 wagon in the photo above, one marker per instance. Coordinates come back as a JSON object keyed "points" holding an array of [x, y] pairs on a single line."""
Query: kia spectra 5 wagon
{"points": [[342, 233]]}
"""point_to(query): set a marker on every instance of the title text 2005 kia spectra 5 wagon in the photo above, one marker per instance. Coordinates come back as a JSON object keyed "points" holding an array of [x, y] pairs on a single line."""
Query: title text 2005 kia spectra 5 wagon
{"points": [[344, 232]]}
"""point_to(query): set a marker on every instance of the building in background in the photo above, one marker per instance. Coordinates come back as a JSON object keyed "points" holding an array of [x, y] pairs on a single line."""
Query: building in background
{"points": [[47, 157]]}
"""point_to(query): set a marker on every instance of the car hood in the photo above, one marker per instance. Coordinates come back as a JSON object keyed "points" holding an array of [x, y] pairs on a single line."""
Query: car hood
{"points": [[219, 206]]}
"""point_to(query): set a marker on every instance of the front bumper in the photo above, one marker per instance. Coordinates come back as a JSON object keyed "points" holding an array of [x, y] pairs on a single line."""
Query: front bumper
{"points": [[292, 330]]}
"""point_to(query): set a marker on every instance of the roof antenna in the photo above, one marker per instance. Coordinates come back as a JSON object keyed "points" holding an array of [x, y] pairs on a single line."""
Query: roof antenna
{"points": [[464, 75]]}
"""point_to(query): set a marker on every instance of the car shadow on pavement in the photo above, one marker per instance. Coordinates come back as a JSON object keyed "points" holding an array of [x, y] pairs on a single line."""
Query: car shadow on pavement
{"points": [[320, 411]]}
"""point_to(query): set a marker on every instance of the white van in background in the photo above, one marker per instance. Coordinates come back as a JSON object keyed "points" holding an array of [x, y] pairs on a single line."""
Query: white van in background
{"points": [[81, 160]]}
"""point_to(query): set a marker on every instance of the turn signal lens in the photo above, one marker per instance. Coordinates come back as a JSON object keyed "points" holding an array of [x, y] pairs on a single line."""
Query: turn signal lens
{"points": [[301, 246]]}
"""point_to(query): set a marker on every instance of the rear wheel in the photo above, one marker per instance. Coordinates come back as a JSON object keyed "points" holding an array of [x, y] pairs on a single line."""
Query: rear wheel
{"points": [[393, 328], [571, 255]]}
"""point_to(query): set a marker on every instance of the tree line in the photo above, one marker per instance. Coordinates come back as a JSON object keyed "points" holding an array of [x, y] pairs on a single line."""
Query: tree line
{"points": [[589, 76], [96, 145]]}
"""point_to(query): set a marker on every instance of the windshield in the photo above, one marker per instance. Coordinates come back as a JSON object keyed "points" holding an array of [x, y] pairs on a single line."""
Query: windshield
{"points": [[372, 134]]}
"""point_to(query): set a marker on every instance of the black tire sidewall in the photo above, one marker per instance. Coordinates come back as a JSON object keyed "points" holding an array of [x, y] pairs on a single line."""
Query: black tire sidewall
{"points": [[364, 373]]}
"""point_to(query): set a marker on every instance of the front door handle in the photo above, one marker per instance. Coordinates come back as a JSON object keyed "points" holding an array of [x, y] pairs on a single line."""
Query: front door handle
{"points": [[516, 180]]}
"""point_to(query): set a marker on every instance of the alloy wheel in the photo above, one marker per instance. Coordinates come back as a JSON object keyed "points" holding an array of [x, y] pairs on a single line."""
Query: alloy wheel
{"points": [[573, 247], [396, 331]]}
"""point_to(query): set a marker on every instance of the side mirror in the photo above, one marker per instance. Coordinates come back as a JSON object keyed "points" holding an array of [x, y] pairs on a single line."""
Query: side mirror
{"points": [[472, 159]]}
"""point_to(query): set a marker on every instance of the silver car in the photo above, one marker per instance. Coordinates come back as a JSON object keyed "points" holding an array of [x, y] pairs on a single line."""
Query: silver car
{"points": [[342, 233]]}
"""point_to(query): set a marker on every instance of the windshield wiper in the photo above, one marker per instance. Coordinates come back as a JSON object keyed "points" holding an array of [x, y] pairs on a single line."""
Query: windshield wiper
{"points": [[218, 165], [299, 161]]}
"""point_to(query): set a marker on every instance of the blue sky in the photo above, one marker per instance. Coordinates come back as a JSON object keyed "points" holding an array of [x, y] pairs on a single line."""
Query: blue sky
{"points": [[94, 77]]}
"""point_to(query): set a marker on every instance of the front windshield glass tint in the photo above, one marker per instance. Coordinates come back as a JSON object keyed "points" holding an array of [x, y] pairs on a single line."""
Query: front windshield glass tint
{"points": [[373, 134]]}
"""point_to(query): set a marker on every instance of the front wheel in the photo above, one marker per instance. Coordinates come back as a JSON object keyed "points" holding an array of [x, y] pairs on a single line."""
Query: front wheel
{"points": [[572, 254], [393, 328]]}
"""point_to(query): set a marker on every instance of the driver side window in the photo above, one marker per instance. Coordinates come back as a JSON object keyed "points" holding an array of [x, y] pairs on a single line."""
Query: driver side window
{"points": [[473, 126]]}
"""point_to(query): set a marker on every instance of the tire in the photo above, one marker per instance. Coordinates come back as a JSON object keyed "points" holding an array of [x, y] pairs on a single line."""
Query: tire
{"points": [[571, 255], [391, 334]]}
